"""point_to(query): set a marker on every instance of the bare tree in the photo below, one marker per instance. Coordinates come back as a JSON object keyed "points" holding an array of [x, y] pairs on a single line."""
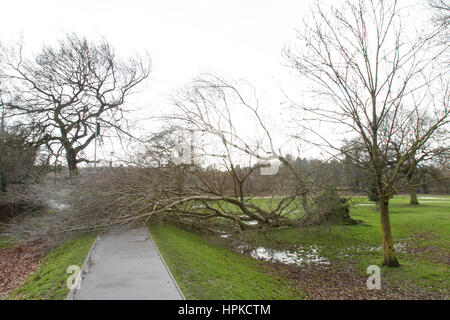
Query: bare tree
{"points": [[208, 108], [378, 83], [436, 147], [214, 108], [441, 15], [17, 157], [65, 88], [215, 179]]}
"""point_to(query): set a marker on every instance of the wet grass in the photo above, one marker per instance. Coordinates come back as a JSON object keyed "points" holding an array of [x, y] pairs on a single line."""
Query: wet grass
{"points": [[207, 271], [422, 235]]}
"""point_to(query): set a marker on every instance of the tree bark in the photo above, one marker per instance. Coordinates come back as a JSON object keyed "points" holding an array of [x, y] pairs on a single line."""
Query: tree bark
{"points": [[413, 195], [389, 258], [305, 205], [412, 190], [71, 157], [2, 184]]}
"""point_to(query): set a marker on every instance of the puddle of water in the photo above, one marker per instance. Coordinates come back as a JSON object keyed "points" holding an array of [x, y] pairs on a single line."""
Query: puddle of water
{"points": [[399, 247], [299, 256], [57, 205], [241, 248], [252, 223], [223, 234], [365, 204], [433, 198], [201, 206]]}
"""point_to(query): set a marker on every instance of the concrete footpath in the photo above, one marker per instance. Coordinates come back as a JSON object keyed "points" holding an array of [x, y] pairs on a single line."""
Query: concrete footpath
{"points": [[126, 265]]}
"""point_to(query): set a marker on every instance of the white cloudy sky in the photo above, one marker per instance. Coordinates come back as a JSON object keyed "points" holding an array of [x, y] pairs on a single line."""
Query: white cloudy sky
{"points": [[184, 37], [234, 38]]}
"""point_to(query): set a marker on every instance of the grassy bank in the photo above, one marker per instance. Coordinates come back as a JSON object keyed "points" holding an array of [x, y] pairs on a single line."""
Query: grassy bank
{"points": [[421, 233], [48, 282], [206, 271]]}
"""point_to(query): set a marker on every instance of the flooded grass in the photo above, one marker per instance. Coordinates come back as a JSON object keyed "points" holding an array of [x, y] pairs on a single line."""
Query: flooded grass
{"points": [[297, 256]]}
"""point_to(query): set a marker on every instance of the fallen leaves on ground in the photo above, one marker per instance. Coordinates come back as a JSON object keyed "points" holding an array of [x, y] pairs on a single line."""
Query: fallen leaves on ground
{"points": [[16, 264], [328, 282]]}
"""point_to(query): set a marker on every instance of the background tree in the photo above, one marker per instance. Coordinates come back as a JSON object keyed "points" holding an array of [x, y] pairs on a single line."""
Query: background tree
{"points": [[17, 157], [20, 168], [441, 16], [241, 167], [377, 82], [354, 174], [66, 87], [436, 147]]}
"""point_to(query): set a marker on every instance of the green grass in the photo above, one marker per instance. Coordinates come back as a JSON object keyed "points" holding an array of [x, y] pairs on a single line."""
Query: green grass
{"points": [[432, 220], [425, 229], [207, 271], [48, 282], [5, 242]]}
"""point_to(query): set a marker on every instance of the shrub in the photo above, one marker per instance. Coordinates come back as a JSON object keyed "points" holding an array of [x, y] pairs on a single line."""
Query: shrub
{"points": [[329, 207]]}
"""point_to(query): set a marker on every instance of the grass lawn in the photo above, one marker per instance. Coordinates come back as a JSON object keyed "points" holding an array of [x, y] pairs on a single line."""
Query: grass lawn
{"points": [[422, 234], [206, 270], [48, 282]]}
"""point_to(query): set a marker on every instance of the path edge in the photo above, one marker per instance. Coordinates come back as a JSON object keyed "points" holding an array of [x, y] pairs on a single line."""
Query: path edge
{"points": [[84, 268], [165, 265]]}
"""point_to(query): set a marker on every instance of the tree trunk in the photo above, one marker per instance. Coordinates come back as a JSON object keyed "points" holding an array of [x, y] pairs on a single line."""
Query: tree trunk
{"points": [[413, 195], [2, 183], [389, 258], [412, 190], [71, 157], [305, 205]]}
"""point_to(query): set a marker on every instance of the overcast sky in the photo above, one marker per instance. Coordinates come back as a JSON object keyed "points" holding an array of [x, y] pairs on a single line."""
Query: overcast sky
{"points": [[237, 39], [233, 38], [184, 37]]}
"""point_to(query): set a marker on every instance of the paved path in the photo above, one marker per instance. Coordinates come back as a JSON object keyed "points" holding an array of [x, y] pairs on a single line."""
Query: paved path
{"points": [[126, 265]]}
